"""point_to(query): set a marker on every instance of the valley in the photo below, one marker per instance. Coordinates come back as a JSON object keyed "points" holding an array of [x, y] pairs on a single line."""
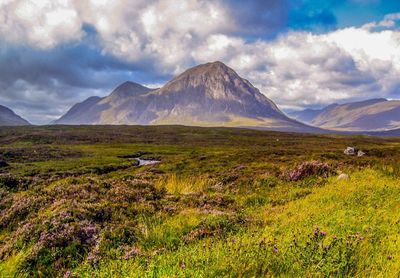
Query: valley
{"points": [[221, 202]]}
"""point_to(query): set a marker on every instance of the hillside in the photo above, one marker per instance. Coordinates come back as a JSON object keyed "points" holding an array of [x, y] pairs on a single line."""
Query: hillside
{"points": [[211, 94], [106, 110], [308, 115], [9, 118], [370, 115]]}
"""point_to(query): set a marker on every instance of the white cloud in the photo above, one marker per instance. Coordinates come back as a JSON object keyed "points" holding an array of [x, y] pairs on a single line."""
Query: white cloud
{"points": [[389, 21], [295, 70], [41, 23], [300, 69], [304, 69], [162, 30]]}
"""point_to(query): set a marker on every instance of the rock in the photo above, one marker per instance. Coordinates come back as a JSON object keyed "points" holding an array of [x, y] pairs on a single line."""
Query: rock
{"points": [[343, 177], [3, 164], [354, 151], [350, 151], [360, 153]]}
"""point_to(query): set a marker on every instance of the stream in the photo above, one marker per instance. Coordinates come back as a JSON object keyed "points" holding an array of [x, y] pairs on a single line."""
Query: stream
{"points": [[144, 162]]}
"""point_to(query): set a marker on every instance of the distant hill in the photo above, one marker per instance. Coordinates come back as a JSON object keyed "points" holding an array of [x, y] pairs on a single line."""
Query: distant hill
{"points": [[370, 115], [308, 115], [211, 94], [9, 118], [108, 110]]}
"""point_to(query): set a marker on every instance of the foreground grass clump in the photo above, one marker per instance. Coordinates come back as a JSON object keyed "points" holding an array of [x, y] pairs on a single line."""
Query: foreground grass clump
{"points": [[328, 233], [175, 184], [222, 203]]}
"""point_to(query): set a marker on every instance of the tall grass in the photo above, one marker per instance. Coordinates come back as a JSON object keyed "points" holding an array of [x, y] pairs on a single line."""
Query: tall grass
{"points": [[178, 184]]}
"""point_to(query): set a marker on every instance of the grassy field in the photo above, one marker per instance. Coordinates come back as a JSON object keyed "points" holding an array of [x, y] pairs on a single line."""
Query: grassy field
{"points": [[221, 203]]}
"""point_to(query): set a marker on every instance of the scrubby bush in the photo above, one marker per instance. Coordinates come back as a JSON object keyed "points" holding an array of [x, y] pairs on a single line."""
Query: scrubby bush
{"points": [[62, 244], [310, 168], [9, 182]]}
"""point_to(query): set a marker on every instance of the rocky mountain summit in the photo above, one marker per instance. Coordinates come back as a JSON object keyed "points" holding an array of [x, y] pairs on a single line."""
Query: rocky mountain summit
{"points": [[211, 94]]}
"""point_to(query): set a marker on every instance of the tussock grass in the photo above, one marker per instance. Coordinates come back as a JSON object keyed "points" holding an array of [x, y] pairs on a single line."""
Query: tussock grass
{"points": [[179, 184]]}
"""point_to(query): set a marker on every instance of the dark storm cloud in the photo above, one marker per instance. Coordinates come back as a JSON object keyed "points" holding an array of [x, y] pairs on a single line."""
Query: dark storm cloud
{"points": [[46, 82], [76, 65]]}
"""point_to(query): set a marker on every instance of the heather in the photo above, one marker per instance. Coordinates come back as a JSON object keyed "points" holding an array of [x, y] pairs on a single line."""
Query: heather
{"points": [[221, 203]]}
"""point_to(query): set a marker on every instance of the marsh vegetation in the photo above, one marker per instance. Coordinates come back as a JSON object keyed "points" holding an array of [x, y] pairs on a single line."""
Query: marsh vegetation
{"points": [[221, 203]]}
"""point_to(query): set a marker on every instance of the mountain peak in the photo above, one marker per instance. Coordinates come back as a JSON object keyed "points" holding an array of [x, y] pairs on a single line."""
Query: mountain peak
{"points": [[216, 88], [127, 89], [212, 68], [216, 65], [210, 94], [215, 77], [129, 85]]}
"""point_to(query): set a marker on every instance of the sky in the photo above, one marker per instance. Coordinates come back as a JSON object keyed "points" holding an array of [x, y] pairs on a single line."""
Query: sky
{"points": [[299, 53]]}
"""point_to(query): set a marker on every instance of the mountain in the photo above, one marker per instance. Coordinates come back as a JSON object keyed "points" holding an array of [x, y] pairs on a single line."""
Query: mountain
{"points": [[211, 94], [9, 118], [370, 115], [107, 110], [307, 115]]}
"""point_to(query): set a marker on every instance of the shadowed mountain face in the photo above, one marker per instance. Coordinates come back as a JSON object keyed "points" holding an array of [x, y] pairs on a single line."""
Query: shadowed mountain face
{"points": [[211, 94], [369, 115], [9, 118]]}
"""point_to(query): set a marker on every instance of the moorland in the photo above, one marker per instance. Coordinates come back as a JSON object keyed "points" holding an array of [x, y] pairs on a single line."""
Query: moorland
{"points": [[221, 202]]}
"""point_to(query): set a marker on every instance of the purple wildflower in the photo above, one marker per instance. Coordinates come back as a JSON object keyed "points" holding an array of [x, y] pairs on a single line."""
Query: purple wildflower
{"points": [[307, 169]]}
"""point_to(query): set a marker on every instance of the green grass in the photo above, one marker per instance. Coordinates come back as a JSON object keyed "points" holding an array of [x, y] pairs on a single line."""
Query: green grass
{"points": [[220, 204], [359, 218]]}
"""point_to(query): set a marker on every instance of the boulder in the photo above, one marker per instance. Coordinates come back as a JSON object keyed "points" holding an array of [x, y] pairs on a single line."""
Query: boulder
{"points": [[354, 151], [343, 177], [350, 151]]}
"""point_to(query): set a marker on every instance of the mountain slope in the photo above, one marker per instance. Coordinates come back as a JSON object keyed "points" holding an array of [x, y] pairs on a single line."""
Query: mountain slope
{"points": [[96, 110], [211, 94], [308, 115], [9, 118], [370, 115]]}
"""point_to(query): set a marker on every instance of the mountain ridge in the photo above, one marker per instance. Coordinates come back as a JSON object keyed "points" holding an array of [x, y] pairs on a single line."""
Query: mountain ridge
{"points": [[376, 114], [210, 94], [9, 118]]}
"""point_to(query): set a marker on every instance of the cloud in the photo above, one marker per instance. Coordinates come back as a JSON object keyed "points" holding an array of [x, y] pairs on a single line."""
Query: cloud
{"points": [[55, 53], [389, 21], [126, 29], [31, 100], [41, 23], [301, 69], [42, 84]]}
